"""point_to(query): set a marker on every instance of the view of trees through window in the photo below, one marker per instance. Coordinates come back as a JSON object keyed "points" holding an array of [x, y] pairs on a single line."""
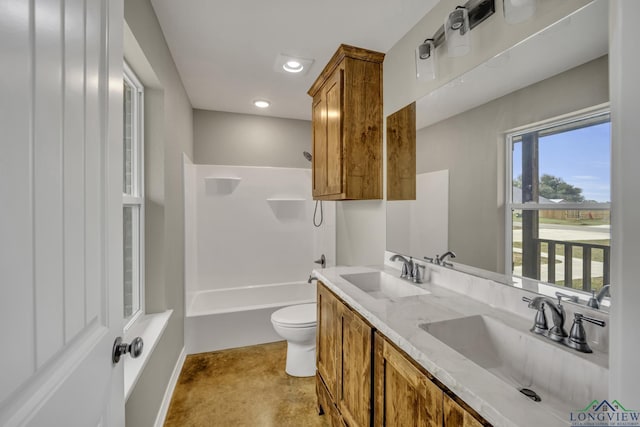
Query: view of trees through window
{"points": [[560, 202]]}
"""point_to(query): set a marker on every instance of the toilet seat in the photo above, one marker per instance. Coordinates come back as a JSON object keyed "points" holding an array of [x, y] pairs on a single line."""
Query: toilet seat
{"points": [[296, 316]]}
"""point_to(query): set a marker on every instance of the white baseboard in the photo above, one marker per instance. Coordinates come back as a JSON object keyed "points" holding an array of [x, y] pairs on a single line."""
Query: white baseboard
{"points": [[166, 400]]}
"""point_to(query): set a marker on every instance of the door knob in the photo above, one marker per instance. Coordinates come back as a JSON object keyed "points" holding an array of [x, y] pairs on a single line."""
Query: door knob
{"points": [[120, 348]]}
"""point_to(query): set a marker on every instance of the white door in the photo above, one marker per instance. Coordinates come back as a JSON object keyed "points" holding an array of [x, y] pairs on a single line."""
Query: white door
{"points": [[60, 212]]}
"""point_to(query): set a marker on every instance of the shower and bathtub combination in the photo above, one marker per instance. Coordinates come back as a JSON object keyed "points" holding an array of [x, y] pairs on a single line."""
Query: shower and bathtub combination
{"points": [[250, 245]]}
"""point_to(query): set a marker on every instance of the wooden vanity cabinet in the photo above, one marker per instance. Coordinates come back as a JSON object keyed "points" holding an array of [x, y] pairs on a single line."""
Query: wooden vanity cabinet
{"points": [[355, 370], [344, 382], [404, 396], [327, 340], [347, 126], [362, 379], [456, 416]]}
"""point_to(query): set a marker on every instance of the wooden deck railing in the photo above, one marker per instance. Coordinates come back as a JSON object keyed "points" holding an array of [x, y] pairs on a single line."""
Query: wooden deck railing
{"points": [[587, 251]]}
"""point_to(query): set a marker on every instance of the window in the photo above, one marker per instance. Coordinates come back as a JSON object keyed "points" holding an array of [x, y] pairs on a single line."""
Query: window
{"points": [[133, 197], [558, 197]]}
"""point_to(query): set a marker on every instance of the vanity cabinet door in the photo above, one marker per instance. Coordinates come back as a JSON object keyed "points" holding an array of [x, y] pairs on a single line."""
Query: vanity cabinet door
{"points": [[327, 339], [326, 406], [355, 370], [404, 396], [456, 416]]}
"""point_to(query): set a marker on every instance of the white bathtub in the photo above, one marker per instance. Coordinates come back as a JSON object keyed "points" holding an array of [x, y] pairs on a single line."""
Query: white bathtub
{"points": [[237, 317]]}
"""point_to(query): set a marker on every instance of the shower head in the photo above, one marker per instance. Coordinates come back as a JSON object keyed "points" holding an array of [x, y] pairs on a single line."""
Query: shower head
{"points": [[307, 155]]}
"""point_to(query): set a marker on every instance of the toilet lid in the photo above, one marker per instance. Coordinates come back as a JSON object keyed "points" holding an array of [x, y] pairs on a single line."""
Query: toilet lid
{"points": [[296, 316]]}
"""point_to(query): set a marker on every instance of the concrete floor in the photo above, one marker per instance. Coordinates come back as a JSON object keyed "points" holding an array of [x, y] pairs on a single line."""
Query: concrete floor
{"points": [[243, 387]]}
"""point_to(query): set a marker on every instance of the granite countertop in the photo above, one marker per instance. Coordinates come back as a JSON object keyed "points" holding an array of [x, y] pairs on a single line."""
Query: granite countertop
{"points": [[398, 320]]}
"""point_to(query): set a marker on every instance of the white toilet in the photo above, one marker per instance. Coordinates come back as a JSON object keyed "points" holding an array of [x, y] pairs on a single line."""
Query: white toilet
{"points": [[297, 325]]}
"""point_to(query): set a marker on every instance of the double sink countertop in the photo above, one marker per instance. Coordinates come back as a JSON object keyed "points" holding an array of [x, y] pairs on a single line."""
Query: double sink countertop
{"points": [[489, 382]]}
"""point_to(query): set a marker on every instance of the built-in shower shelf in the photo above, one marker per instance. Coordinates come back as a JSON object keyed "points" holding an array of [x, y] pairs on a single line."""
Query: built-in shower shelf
{"points": [[287, 208], [223, 178], [221, 184]]}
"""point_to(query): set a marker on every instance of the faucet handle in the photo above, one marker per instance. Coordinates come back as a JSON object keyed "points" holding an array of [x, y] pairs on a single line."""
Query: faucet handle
{"points": [[572, 298], [540, 325], [581, 317], [578, 336], [405, 270], [322, 261], [416, 275], [428, 258], [593, 301]]}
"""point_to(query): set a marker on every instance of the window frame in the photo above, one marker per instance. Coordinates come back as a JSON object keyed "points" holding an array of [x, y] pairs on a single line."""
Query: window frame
{"points": [[509, 136], [137, 196]]}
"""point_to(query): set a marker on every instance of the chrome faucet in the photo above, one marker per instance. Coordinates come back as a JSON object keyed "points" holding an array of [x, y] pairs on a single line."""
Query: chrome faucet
{"points": [[595, 300], [407, 266], [578, 336], [441, 259], [577, 339], [557, 332]]}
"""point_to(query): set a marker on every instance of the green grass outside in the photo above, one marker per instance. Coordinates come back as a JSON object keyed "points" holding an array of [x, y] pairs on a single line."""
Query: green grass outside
{"points": [[574, 221], [596, 283], [585, 222], [517, 260]]}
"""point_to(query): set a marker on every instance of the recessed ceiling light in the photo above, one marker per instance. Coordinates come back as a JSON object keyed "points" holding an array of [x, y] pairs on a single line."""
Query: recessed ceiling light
{"points": [[288, 64], [293, 66], [261, 103]]}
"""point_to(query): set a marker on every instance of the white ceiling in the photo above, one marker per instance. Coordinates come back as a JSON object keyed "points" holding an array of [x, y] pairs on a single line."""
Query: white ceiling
{"points": [[225, 50]]}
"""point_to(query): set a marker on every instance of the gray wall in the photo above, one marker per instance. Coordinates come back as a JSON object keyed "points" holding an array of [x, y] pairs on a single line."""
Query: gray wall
{"points": [[360, 225], [243, 139], [490, 38], [169, 133], [624, 375], [472, 147]]}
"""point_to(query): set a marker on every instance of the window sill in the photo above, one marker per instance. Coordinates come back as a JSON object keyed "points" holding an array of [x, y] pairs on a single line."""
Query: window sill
{"points": [[150, 328]]}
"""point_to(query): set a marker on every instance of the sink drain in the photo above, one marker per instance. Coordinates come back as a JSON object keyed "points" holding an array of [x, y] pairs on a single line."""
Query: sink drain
{"points": [[531, 394]]}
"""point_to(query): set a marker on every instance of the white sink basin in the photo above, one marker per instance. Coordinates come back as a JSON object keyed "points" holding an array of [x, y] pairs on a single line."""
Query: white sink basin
{"points": [[563, 380], [381, 285]]}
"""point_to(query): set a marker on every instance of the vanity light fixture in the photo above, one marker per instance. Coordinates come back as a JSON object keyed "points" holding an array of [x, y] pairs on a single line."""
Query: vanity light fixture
{"points": [[288, 64], [426, 60], [261, 103], [455, 32], [516, 11]]}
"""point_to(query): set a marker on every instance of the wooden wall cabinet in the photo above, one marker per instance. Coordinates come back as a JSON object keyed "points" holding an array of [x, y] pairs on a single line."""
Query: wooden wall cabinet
{"points": [[347, 126], [401, 154]]}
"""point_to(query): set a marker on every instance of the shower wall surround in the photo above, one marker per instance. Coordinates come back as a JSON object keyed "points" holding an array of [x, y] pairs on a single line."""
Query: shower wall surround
{"points": [[249, 226]]}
